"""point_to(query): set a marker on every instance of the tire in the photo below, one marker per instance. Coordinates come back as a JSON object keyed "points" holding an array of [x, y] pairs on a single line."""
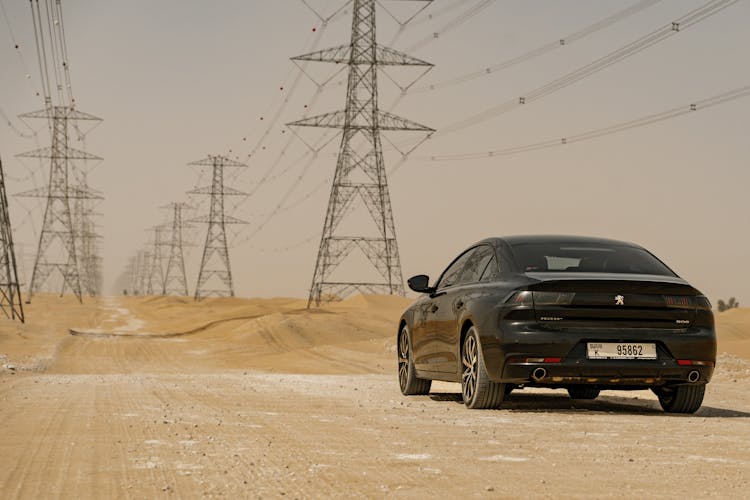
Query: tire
{"points": [[681, 398], [477, 389], [407, 375], [583, 392]]}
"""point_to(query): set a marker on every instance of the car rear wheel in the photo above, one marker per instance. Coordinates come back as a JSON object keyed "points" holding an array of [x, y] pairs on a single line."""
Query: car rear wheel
{"points": [[477, 389], [583, 392], [407, 375], [681, 398]]}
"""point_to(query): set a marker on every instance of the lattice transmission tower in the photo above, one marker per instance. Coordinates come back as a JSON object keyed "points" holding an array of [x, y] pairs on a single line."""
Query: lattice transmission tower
{"points": [[156, 272], [215, 275], [175, 280], [362, 121], [137, 272], [130, 271], [63, 234], [144, 269], [87, 237], [58, 245], [10, 288]]}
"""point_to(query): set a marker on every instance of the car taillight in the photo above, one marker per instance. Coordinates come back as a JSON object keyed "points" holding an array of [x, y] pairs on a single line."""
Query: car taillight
{"points": [[679, 301], [552, 298], [702, 303], [527, 298], [522, 298]]}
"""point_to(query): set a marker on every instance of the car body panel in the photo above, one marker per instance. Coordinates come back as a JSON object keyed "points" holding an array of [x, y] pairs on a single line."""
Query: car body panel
{"points": [[509, 333]]}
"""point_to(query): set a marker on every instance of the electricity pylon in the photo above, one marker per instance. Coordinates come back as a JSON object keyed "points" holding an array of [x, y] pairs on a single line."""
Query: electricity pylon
{"points": [[57, 239], [144, 269], [361, 120], [175, 280], [87, 238], [215, 275], [156, 272], [138, 271], [130, 270], [10, 288]]}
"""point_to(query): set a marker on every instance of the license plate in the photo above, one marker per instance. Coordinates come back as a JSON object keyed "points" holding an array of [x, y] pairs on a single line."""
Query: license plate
{"points": [[620, 350]]}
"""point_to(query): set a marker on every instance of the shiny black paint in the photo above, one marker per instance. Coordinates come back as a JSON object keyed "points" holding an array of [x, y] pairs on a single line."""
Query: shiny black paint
{"points": [[437, 321]]}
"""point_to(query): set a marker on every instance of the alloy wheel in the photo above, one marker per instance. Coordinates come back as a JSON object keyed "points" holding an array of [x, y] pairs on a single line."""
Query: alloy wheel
{"points": [[470, 358], [403, 359]]}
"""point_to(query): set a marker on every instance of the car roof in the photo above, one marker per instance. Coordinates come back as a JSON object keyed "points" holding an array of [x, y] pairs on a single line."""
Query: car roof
{"points": [[556, 239]]}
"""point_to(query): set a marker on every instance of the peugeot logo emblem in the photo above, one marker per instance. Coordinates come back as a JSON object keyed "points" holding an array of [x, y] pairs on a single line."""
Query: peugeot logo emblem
{"points": [[619, 300]]}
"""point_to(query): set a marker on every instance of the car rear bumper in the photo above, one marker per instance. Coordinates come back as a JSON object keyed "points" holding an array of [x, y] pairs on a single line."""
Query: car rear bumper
{"points": [[507, 361], [630, 373]]}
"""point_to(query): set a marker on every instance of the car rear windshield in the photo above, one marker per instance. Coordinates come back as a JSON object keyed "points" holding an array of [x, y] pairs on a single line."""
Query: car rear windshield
{"points": [[586, 258]]}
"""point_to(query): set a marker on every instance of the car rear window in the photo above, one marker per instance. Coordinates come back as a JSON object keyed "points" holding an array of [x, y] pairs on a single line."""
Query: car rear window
{"points": [[586, 258]]}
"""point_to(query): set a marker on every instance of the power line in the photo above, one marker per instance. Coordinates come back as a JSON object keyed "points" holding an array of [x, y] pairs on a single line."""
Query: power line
{"points": [[15, 129], [403, 22], [289, 247], [541, 50], [437, 12], [686, 21], [17, 46], [59, 224], [325, 19], [315, 149], [67, 242], [453, 24], [289, 91], [267, 175], [285, 197], [650, 119], [281, 208]]}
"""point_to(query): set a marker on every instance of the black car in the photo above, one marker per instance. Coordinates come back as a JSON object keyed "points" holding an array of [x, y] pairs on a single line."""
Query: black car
{"points": [[583, 314]]}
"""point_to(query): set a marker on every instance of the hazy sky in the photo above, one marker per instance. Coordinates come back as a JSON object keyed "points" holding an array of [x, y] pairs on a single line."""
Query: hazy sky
{"points": [[176, 80]]}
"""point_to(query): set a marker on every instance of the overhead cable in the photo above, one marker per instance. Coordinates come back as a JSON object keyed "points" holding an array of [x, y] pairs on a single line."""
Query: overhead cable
{"points": [[686, 21], [540, 50], [675, 112]]}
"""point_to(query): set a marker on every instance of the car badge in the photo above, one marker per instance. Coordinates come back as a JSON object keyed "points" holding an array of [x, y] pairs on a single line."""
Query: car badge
{"points": [[619, 300]]}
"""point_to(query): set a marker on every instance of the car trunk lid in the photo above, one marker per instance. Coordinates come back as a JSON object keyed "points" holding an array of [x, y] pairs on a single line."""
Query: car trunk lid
{"points": [[599, 300]]}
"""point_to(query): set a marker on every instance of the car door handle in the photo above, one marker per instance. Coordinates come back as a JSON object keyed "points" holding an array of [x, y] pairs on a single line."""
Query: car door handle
{"points": [[434, 308]]}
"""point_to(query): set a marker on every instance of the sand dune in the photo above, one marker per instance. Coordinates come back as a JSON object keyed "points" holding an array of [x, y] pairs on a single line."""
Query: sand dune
{"points": [[278, 335], [733, 330], [158, 397], [174, 334]]}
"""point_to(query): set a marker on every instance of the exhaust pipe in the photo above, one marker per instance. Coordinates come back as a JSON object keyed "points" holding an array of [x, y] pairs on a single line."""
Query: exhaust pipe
{"points": [[538, 374], [694, 376]]}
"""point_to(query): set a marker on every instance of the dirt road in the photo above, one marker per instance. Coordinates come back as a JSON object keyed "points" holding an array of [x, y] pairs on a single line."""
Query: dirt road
{"points": [[143, 418]]}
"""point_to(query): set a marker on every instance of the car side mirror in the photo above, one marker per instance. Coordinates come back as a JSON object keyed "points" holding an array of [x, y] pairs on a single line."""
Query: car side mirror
{"points": [[420, 283]]}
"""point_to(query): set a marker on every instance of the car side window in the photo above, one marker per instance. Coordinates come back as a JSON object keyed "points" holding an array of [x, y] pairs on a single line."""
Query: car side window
{"points": [[452, 276], [468, 267], [476, 264], [491, 271]]}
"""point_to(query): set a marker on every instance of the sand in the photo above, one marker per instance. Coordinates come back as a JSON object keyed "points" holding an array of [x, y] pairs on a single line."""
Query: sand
{"points": [[162, 397], [733, 329]]}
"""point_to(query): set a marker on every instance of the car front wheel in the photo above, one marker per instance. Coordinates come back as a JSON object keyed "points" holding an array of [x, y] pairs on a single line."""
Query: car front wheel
{"points": [[477, 389], [407, 375]]}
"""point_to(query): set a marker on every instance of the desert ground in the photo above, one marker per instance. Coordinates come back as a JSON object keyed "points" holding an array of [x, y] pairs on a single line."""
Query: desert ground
{"points": [[162, 397]]}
